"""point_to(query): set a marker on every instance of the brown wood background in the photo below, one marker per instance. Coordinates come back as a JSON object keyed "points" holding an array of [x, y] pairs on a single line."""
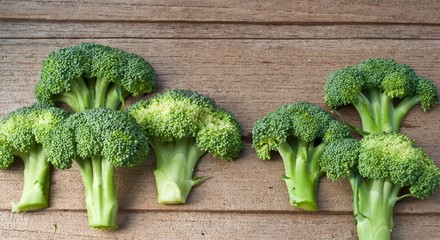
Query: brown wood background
{"points": [[251, 57]]}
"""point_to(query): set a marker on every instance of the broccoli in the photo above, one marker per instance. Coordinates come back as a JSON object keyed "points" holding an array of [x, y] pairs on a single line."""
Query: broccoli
{"points": [[91, 76], [99, 140], [382, 91], [24, 133], [299, 132], [378, 167], [182, 126]]}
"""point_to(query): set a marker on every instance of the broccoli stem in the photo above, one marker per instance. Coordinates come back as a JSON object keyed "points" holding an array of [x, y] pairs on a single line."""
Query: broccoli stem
{"points": [[36, 181], [374, 202], [81, 91], [403, 108], [101, 86], [114, 99], [377, 112], [301, 172], [89, 93], [100, 189], [175, 163]]}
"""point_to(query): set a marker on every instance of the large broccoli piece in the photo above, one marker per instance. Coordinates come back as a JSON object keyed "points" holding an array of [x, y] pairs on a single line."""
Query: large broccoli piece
{"points": [[378, 167], [91, 76], [299, 132], [24, 133], [99, 140], [181, 127], [382, 91]]}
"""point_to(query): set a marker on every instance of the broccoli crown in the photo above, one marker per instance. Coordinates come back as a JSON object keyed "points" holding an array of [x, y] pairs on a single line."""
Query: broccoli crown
{"points": [[301, 120], [26, 127], [176, 114], [391, 156], [94, 61], [111, 134], [395, 80]]}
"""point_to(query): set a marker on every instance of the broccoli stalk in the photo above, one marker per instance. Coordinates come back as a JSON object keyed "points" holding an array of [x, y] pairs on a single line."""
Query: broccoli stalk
{"points": [[382, 91], [36, 181], [175, 163], [99, 140], [300, 133], [374, 209], [302, 176], [182, 126], [378, 167], [100, 190], [93, 76], [23, 133]]}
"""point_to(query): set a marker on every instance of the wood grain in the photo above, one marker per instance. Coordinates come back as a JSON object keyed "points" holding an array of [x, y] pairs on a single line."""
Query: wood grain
{"points": [[412, 11], [201, 225], [49, 29]]}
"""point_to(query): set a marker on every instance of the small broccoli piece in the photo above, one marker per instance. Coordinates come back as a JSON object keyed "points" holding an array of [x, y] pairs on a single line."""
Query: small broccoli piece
{"points": [[382, 91], [182, 126], [24, 133], [91, 76], [378, 167], [299, 132], [99, 140]]}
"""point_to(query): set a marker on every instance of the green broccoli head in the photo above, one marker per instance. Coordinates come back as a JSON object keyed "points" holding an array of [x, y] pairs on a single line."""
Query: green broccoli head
{"points": [[99, 140], [300, 120], [178, 114], [340, 159], [395, 157], [378, 167], [299, 132], [92, 75], [183, 125], [112, 134], [390, 156], [24, 133], [25, 128], [373, 86]]}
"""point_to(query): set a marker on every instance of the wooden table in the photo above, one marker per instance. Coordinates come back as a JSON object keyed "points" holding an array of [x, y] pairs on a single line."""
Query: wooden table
{"points": [[251, 57]]}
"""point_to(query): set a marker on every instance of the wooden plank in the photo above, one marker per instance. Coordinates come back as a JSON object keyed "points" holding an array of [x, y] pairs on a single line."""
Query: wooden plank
{"points": [[205, 225], [414, 11], [247, 77], [178, 30]]}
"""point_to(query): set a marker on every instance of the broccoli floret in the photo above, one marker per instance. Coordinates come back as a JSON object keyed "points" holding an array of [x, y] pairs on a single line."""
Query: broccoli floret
{"points": [[378, 167], [299, 132], [91, 76], [99, 140], [382, 91], [24, 133], [182, 126]]}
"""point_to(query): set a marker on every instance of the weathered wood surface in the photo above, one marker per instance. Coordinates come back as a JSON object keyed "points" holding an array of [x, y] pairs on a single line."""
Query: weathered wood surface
{"points": [[204, 225], [251, 57], [420, 11]]}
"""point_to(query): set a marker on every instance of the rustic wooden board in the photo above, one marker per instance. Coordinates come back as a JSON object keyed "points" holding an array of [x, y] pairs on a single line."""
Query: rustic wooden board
{"points": [[251, 57], [204, 225], [48, 29], [413, 11]]}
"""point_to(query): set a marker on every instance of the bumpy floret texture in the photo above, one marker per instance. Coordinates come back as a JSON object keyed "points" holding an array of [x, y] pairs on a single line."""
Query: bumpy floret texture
{"points": [[112, 134], [26, 127], [94, 61], [340, 158], [392, 156], [301, 120], [392, 78], [176, 114]]}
